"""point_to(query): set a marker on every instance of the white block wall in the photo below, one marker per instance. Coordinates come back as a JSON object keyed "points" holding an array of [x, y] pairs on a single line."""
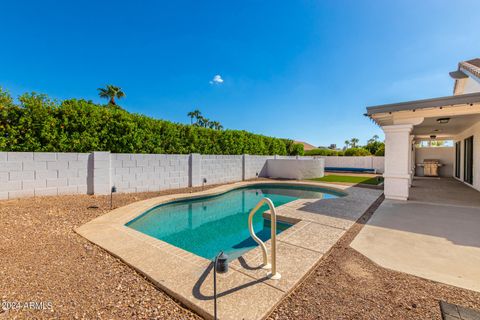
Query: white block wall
{"points": [[139, 172], [100, 174], [256, 165], [28, 174], [221, 168], [149, 172]]}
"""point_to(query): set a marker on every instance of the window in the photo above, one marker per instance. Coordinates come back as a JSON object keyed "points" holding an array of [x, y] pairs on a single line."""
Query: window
{"points": [[434, 143]]}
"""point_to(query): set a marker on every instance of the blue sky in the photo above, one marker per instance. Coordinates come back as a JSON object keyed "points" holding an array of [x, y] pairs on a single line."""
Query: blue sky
{"points": [[295, 69]]}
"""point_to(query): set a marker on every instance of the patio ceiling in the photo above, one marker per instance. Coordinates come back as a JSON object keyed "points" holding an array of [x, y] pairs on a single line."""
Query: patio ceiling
{"points": [[418, 111], [456, 124]]}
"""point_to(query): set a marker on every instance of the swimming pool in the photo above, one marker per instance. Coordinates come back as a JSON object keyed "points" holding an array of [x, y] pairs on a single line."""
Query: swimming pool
{"points": [[208, 225]]}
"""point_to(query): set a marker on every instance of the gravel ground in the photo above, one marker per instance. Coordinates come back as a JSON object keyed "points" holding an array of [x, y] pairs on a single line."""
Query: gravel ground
{"points": [[346, 285], [42, 259]]}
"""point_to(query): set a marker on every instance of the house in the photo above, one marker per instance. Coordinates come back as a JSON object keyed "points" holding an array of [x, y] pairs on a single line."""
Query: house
{"points": [[434, 233], [306, 146], [452, 118]]}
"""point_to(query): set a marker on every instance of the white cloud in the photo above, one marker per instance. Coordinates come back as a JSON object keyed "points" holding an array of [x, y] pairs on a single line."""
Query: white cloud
{"points": [[217, 79]]}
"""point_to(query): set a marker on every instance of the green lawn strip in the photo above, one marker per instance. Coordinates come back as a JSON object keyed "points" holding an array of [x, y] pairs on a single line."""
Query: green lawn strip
{"points": [[349, 179]]}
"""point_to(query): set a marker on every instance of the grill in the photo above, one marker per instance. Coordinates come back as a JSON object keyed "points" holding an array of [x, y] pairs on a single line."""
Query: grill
{"points": [[430, 167]]}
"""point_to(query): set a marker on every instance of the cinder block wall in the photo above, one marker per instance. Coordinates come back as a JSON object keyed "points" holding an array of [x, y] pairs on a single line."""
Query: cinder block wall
{"points": [[153, 172], [256, 165], [28, 174], [149, 172], [221, 168]]}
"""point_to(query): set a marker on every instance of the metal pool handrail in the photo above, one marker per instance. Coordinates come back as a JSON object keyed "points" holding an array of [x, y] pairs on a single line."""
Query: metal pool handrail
{"points": [[273, 216]]}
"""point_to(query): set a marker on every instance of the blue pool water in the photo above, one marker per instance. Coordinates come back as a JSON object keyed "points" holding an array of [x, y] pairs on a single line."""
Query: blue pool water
{"points": [[208, 225]]}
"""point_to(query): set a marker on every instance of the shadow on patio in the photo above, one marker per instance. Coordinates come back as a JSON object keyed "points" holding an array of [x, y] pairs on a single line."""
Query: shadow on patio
{"points": [[434, 235]]}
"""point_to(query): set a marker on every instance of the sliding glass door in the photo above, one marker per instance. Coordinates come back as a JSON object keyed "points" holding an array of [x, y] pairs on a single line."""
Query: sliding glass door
{"points": [[458, 146], [468, 160]]}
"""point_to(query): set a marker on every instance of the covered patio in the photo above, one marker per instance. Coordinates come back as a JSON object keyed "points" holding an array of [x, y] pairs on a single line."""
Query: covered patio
{"points": [[435, 235], [455, 118], [429, 224]]}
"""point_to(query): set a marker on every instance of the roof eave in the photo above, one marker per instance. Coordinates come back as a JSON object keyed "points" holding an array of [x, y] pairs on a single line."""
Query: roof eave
{"points": [[425, 103], [457, 75]]}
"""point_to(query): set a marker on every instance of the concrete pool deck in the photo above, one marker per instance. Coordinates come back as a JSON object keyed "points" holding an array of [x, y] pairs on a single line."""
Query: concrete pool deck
{"points": [[435, 235], [245, 290]]}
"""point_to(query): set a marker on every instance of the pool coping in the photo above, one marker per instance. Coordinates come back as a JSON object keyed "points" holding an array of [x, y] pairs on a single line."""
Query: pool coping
{"points": [[245, 289]]}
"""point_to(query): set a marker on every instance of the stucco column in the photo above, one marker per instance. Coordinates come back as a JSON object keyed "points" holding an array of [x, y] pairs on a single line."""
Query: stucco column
{"points": [[397, 161], [194, 163], [101, 172]]}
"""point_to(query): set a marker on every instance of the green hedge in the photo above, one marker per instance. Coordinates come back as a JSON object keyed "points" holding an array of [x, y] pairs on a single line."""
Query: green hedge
{"points": [[357, 152], [323, 152], [41, 124], [380, 152], [362, 151]]}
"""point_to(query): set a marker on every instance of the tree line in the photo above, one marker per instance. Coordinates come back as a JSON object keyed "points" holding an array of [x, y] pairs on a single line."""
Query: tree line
{"points": [[352, 147], [201, 121], [38, 123]]}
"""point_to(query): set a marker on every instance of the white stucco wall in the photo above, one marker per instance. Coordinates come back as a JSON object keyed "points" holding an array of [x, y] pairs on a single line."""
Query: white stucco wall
{"points": [[468, 85], [295, 168], [475, 132], [446, 155], [471, 86], [370, 162]]}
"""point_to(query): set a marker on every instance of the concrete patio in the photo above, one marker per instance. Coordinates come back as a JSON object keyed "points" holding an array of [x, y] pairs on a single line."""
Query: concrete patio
{"points": [[434, 235]]}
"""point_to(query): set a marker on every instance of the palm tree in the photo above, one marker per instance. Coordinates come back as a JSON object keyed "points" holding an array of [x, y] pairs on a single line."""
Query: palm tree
{"points": [[195, 114], [347, 144], [353, 142], [111, 92], [203, 122], [215, 125], [373, 139]]}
